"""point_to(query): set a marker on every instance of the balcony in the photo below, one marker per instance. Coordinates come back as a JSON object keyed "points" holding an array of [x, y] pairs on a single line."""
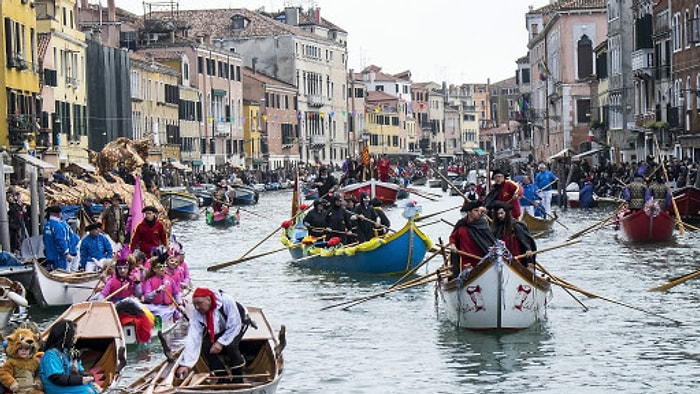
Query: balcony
{"points": [[317, 139], [643, 62], [70, 81], [315, 100]]}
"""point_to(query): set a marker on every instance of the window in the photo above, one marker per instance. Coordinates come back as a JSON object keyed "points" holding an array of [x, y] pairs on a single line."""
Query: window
{"points": [[583, 110], [200, 64], [585, 57]]}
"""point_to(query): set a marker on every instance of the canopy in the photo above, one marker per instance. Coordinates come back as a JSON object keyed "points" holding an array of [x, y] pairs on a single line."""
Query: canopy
{"points": [[35, 162], [584, 154], [480, 152], [561, 154], [179, 166]]}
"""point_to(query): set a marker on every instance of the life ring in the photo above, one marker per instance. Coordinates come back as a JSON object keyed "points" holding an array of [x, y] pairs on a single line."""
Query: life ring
{"points": [[652, 208]]}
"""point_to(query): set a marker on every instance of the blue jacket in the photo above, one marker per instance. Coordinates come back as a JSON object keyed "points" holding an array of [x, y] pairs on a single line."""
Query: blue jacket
{"points": [[529, 195], [585, 196], [544, 178], [57, 242], [94, 248]]}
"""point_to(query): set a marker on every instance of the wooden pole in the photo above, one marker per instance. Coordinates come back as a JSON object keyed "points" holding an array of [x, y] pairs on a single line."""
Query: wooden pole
{"points": [[681, 228]]}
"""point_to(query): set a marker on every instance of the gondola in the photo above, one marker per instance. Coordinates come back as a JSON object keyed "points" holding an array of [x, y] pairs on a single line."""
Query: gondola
{"points": [[59, 287], [261, 375], [180, 203], [536, 224], [647, 225], [498, 294], [688, 203], [99, 338], [385, 191]]}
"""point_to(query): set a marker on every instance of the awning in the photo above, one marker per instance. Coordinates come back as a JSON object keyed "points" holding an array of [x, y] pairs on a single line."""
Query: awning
{"points": [[197, 163], [469, 151], [35, 162], [83, 166], [218, 92], [479, 152], [179, 166], [561, 154], [584, 154]]}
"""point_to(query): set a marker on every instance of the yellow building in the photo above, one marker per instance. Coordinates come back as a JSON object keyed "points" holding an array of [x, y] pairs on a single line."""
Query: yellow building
{"points": [[155, 97], [19, 104], [62, 52], [383, 129], [251, 134]]}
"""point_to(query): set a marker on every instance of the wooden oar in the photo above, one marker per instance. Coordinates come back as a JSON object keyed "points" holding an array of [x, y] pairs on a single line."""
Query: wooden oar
{"points": [[592, 227], [547, 249], [412, 285], [100, 280], [424, 195], [419, 218], [369, 220], [411, 272], [677, 281], [237, 261], [177, 306], [449, 183], [557, 281], [673, 201], [429, 223], [690, 226], [594, 295], [116, 292]]}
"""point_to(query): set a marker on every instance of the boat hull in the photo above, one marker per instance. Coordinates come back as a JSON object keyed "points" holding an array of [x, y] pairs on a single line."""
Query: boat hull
{"points": [[262, 373], [386, 192], [243, 195], [100, 338], [8, 302], [393, 254], [537, 225], [688, 202], [496, 295], [228, 220], [640, 227], [180, 205], [167, 323], [58, 288]]}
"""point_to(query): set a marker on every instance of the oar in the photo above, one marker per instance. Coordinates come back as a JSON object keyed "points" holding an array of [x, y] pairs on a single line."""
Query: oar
{"points": [[419, 218], [547, 249], [690, 226], [416, 192], [177, 306], [459, 252], [450, 184], [411, 272], [677, 281], [673, 201], [549, 184], [357, 215], [599, 223], [412, 285], [547, 213], [237, 261], [100, 280], [429, 223], [541, 268], [594, 295], [116, 292]]}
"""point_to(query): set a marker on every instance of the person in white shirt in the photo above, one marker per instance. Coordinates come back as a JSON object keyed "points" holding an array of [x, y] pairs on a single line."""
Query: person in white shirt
{"points": [[215, 331]]}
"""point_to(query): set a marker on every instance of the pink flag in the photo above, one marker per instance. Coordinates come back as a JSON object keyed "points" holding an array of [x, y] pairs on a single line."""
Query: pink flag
{"points": [[135, 212]]}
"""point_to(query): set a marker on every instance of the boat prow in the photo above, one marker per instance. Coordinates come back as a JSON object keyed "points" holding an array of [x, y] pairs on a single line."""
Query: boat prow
{"points": [[58, 287]]}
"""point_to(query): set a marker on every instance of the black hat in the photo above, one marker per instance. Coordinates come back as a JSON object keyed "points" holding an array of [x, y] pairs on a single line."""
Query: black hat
{"points": [[53, 209], [496, 205], [497, 172], [116, 196], [319, 202], [470, 205], [92, 226], [149, 208], [375, 202]]}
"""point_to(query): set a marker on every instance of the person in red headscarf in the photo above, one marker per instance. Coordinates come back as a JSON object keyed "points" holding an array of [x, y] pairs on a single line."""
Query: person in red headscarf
{"points": [[217, 325]]}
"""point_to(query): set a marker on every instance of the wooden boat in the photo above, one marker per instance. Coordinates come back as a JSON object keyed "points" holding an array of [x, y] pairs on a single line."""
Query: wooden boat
{"points": [[394, 253], [12, 296], [223, 218], [12, 268], [645, 226], [310, 193], [688, 202], [496, 294], [419, 181], [180, 203], [204, 192], [99, 338], [262, 373], [384, 191], [434, 183], [59, 287], [165, 319], [536, 224]]}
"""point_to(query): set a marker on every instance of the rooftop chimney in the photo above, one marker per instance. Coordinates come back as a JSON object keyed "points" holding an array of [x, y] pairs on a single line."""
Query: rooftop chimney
{"points": [[291, 16]]}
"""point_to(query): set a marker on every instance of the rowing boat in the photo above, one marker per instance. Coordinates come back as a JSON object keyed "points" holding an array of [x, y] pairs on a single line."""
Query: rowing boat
{"points": [[12, 295], [99, 338], [264, 367], [499, 293], [647, 225], [59, 287], [536, 224]]}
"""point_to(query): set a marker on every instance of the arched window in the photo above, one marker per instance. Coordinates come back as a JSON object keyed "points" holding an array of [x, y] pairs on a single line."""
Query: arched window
{"points": [[585, 57]]}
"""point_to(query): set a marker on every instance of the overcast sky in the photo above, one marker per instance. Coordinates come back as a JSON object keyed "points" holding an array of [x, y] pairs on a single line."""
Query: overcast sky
{"points": [[437, 40]]}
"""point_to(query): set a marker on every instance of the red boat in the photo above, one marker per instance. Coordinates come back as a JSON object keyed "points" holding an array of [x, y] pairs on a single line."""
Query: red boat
{"points": [[382, 190], [688, 201], [647, 226]]}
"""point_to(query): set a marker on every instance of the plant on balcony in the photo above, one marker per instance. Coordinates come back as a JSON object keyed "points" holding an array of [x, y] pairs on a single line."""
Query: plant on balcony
{"points": [[594, 124], [656, 125]]}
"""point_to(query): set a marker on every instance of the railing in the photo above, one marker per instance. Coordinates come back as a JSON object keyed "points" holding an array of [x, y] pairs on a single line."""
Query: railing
{"points": [[317, 139], [643, 60], [315, 100], [221, 129]]}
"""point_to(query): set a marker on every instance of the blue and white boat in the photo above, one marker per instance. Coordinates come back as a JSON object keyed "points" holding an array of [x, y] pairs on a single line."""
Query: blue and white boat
{"points": [[242, 195], [180, 203]]}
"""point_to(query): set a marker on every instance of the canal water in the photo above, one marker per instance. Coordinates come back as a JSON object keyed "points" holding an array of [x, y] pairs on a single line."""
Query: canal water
{"points": [[402, 343]]}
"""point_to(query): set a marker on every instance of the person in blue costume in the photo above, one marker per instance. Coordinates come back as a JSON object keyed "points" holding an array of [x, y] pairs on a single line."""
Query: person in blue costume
{"points": [[60, 369], [585, 195], [58, 243]]}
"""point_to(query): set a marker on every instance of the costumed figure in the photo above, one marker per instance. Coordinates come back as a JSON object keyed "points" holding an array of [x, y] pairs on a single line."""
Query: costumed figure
{"points": [[60, 368], [661, 193], [160, 292], [635, 193], [337, 220], [506, 191], [95, 249], [471, 234], [19, 373], [366, 218], [386, 223], [544, 180], [124, 275], [176, 266], [513, 233], [150, 233], [315, 220]]}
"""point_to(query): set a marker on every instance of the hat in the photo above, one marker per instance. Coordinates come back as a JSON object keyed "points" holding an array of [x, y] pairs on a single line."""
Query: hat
{"points": [[121, 263], [497, 172], [470, 205], [53, 209], [116, 196], [318, 202], [375, 202], [149, 208], [93, 226], [496, 205]]}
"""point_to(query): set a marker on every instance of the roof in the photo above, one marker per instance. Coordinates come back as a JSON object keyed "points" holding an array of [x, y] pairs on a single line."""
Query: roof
{"points": [[34, 161], [264, 78], [570, 5]]}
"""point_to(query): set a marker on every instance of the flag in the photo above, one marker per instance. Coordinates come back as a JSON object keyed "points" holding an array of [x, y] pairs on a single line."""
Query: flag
{"points": [[135, 211], [523, 108], [365, 156], [544, 70], [295, 194]]}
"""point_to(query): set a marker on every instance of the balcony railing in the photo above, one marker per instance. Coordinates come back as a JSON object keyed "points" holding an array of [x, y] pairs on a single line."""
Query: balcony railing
{"points": [[315, 100], [222, 129], [643, 61], [317, 139]]}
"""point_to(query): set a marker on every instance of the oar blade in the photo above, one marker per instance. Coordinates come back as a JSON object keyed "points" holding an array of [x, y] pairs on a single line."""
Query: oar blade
{"points": [[677, 281]]}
